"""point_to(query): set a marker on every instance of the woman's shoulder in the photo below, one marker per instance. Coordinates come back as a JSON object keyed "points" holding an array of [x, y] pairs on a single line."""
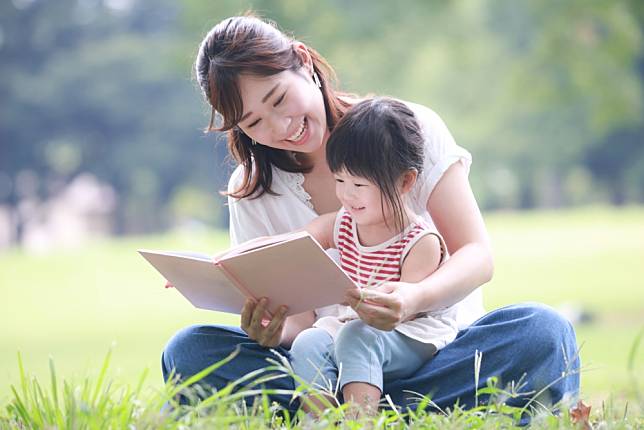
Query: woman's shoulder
{"points": [[428, 118], [239, 173], [286, 187], [236, 178]]}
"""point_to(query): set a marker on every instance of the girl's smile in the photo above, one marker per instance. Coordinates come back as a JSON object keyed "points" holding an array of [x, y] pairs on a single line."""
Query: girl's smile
{"points": [[361, 198]]}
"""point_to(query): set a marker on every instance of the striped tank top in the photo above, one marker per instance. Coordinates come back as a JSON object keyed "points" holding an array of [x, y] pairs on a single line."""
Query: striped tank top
{"points": [[369, 266]]}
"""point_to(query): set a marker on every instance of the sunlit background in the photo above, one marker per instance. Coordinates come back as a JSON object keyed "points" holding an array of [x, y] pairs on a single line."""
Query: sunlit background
{"points": [[102, 151]]}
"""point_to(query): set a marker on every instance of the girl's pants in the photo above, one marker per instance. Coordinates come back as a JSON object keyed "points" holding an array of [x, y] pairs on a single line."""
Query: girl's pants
{"points": [[360, 354]]}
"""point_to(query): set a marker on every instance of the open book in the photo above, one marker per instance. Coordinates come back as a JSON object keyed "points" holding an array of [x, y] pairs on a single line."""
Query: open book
{"points": [[291, 269]]}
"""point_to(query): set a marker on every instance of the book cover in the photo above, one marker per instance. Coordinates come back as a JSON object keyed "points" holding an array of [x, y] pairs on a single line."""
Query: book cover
{"points": [[291, 270]]}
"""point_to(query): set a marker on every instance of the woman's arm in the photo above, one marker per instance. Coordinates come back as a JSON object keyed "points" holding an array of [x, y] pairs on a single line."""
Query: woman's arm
{"points": [[294, 325], [457, 217]]}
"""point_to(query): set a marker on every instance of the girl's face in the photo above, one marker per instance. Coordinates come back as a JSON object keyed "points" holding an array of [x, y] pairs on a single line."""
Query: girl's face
{"points": [[362, 199], [283, 111]]}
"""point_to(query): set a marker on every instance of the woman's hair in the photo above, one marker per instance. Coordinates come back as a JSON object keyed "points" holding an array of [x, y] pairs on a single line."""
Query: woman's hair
{"points": [[380, 140], [249, 45]]}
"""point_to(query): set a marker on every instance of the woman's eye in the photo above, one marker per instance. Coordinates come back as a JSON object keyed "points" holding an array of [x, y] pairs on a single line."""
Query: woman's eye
{"points": [[340, 181], [254, 123], [280, 99]]}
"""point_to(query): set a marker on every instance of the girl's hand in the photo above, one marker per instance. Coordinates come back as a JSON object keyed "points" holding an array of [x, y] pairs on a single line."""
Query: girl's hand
{"points": [[385, 306], [267, 332]]}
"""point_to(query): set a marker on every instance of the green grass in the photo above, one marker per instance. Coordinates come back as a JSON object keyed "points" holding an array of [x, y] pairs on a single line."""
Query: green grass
{"points": [[74, 304], [593, 258]]}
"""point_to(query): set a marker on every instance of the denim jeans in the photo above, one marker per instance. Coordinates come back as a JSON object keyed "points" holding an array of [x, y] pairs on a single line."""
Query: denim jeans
{"points": [[527, 342]]}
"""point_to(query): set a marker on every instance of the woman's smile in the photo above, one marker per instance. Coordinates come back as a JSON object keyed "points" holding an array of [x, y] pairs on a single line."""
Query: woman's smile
{"points": [[283, 111], [300, 135]]}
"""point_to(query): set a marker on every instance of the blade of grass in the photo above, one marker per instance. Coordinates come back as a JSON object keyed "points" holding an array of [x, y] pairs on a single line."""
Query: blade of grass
{"points": [[101, 375]]}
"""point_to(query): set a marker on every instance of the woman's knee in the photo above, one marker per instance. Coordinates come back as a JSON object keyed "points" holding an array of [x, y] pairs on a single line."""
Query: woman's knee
{"points": [[544, 332], [188, 351]]}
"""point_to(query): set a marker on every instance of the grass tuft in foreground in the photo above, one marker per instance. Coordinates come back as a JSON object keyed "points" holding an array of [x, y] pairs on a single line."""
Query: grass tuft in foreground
{"points": [[102, 404]]}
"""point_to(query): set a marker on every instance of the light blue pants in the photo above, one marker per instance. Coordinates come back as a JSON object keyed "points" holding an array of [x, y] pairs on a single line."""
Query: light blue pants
{"points": [[361, 353]]}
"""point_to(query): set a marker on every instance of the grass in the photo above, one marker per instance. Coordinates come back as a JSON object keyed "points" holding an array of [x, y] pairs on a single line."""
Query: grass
{"points": [[74, 303], [98, 403]]}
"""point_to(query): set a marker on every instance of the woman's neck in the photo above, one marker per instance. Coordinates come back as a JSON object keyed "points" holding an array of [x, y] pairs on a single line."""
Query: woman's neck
{"points": [[316, 159]]}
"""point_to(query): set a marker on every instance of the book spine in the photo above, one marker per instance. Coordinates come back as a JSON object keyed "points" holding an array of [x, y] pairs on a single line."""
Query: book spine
{"points": [[232, 278]]}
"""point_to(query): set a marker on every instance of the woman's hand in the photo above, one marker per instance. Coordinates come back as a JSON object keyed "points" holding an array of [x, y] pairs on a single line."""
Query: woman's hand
{"points": [[267, 332], [386, 306]]}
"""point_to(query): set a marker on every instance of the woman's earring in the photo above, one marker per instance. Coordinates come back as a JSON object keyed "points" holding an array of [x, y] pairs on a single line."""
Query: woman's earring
{"points": [[316, 79], [253, 142]]}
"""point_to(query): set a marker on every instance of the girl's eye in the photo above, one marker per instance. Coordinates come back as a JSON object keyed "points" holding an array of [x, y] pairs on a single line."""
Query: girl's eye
{"points": [[280, 99], [339, 180], [254, 123]]}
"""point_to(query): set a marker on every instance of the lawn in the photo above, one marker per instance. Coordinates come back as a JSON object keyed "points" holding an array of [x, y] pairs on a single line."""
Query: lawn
{"points": [[74, 304]]}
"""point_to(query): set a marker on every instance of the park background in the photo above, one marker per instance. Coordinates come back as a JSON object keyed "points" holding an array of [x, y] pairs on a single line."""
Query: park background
{"points": [[102, 152]]}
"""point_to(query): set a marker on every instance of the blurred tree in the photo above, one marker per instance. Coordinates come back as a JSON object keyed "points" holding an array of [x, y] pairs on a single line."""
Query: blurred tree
{"points": [[94, 86], [529, 87], [617, 158], [546, 95], [572, 74]]}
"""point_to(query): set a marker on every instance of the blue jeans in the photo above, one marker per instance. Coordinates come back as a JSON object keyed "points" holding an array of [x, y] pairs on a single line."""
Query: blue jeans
{"points": [[527, 342]]}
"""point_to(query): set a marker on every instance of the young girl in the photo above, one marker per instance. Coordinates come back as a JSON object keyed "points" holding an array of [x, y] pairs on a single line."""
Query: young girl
{"points": [[375, 154]]}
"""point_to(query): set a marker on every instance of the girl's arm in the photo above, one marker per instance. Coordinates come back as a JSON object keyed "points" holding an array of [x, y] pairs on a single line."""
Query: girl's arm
{"points": [[321, 228], [422, 259]]}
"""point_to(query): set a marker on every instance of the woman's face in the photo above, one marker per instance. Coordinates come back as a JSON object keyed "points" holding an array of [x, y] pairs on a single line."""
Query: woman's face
{"points": [[283, 111]]}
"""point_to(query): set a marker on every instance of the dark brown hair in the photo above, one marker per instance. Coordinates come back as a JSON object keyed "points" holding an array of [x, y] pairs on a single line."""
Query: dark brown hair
{"points": [[380, 140], [249, 45]]}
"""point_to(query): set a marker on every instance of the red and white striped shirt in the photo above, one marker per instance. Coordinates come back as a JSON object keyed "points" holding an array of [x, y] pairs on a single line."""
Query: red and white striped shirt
{"points": [[369, 266]]}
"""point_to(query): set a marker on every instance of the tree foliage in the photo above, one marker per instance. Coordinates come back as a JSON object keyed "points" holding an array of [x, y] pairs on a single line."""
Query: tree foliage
{"points": [[546, 95]]}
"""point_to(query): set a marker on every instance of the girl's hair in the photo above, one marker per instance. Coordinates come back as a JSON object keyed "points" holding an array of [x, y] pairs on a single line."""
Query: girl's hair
{"points": [[380, 140], [249, 45]]}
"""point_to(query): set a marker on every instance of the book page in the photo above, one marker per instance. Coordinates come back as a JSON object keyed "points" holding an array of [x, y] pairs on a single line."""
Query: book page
{"points": [[260, 242], [297, 273], [197, 278]]}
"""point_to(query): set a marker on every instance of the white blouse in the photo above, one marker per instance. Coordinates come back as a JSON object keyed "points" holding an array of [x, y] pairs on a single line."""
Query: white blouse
{"points": [[291, 209]]}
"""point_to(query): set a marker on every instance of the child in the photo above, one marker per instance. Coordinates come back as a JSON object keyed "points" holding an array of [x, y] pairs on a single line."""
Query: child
{"points": [[375, 153]]}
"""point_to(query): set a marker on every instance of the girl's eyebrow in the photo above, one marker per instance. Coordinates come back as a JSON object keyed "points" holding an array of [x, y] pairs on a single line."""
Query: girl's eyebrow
{"points": [[266, 97]]}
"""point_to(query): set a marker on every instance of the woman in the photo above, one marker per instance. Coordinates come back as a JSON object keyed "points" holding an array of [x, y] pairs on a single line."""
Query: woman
{"points": [[275, 98]]}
